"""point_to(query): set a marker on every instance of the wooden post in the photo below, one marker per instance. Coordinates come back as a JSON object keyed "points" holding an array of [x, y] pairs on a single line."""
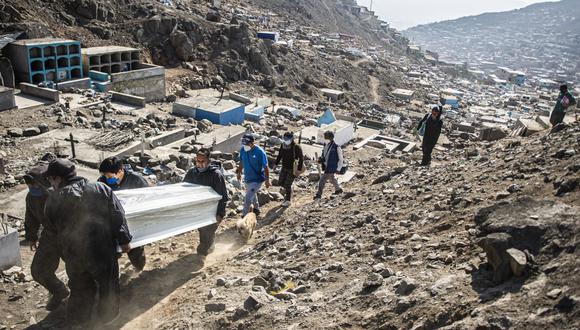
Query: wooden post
{"points": [[72, 145]]}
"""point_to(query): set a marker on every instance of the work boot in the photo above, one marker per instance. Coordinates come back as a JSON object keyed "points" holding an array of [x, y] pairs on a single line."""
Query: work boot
{"points": [[286, 204], [56, 300], [137, 258], [317, 197], [338, 192]]}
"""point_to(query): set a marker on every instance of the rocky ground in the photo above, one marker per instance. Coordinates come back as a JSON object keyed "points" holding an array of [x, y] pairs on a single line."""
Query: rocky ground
{"points": [[404, 247], [485, 238]]}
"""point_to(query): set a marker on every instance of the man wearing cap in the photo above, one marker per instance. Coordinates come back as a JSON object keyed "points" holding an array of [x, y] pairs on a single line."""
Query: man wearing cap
{"points": [[47, 256], [291, 157], [432, 130], [89, 223], [254, 165], [120, 176], [332, 162], [207, 174], [564, 101]]}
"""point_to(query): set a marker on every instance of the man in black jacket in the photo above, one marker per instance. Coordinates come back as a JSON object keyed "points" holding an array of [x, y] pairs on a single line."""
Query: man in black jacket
{"points": [[118, 176], [206, 174], [433, 125], [290, 153], [88, 222], [47, 256]]}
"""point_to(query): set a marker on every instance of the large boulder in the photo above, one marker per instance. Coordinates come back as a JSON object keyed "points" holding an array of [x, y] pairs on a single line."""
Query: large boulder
{"points": [[529, 221], [182, 45], [495, 246]]}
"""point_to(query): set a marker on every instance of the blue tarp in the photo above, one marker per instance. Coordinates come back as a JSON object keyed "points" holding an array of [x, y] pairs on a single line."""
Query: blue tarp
{"points": [[327, 118]]}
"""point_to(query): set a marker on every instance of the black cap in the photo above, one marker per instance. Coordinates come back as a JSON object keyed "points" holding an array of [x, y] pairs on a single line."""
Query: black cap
{"points": [[248, 139], [36, 174], [61, 167], [288, 136]]}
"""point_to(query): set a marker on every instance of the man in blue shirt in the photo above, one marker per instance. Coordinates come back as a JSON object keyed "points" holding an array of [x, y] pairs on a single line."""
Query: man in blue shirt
{"points": [[254, 165]]}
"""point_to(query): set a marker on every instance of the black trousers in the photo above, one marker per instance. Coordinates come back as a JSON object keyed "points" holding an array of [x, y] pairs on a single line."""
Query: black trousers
{"points": [[91, 285], [286, 180], [427, 151], [557, 117], [206, 239], [44, 266]]}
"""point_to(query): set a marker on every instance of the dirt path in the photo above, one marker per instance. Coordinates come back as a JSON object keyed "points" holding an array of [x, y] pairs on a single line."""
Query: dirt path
{"points": [[150, 297], [374, 86], [334, 20]]}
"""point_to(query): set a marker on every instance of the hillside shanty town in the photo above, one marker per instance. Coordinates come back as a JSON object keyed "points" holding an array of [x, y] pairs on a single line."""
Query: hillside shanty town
{"points": [[304, 164]]}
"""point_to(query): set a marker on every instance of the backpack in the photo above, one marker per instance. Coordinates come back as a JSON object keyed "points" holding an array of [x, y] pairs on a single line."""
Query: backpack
{"points": [[421, 130], [565, 102]]}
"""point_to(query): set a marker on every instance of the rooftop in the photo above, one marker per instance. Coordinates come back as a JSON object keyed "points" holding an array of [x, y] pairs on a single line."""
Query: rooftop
{"points": [[107, 50], [331, 91], [42, 41], [401, 91], [211, 104]]}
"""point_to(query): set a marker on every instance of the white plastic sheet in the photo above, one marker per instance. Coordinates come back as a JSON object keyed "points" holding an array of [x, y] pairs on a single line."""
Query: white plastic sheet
{"points": [[156, 213]]}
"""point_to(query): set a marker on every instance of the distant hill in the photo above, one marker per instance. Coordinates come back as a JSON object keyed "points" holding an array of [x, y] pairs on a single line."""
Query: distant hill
{"points": [[544, 35]]}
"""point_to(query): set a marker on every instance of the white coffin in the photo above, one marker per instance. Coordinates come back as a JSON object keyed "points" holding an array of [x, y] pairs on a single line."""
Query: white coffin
{"points": [[156, 213]]}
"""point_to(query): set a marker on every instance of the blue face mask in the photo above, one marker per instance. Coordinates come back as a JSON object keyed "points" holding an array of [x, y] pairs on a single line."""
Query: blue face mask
{"points": [[35, 192]]}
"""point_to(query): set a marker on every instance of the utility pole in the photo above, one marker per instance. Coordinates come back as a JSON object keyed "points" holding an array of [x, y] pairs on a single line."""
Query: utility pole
{"points": [[371, 9]]}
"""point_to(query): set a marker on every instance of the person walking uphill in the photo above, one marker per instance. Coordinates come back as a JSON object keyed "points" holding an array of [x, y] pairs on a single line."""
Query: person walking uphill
{"points": [[332, 162], [254, 165], [89, 223], [292, 160], [564, 101], [430, 127], [47, 256], [119, 176], [206, 174]]}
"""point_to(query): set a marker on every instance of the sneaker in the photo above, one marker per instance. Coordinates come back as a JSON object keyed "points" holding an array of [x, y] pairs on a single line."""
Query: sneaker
{"points": [[55, 301], [339, 191], [286, 204]]}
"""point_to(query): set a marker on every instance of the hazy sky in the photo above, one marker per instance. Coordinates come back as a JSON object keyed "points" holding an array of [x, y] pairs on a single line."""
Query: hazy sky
{"points": [[403, 14]]}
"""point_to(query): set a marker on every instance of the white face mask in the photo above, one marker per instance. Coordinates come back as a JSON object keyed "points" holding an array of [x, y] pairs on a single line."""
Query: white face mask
{"points": [[288, 142], [247, 148], [327, 141]]}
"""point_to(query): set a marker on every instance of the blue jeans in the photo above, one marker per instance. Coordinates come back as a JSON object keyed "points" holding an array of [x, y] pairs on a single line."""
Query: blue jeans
{"points": [[251, 198]]}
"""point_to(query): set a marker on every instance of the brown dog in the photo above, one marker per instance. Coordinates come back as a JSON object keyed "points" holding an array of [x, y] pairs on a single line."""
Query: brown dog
{"points": [[247, 225]]}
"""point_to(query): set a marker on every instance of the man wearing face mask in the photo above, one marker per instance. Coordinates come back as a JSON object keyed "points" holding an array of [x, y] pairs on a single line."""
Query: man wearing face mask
{"points": [[290, 153], [118, 176], [47, 256], [89, 223], [207, 174], [254, 165], [332, 162], [431, 131]]}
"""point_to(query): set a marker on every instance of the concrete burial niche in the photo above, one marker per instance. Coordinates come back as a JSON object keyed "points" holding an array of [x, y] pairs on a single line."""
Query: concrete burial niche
{"points": [[156, 213], [48, 59], [7, 98], [9, 247], [119, 69]]}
